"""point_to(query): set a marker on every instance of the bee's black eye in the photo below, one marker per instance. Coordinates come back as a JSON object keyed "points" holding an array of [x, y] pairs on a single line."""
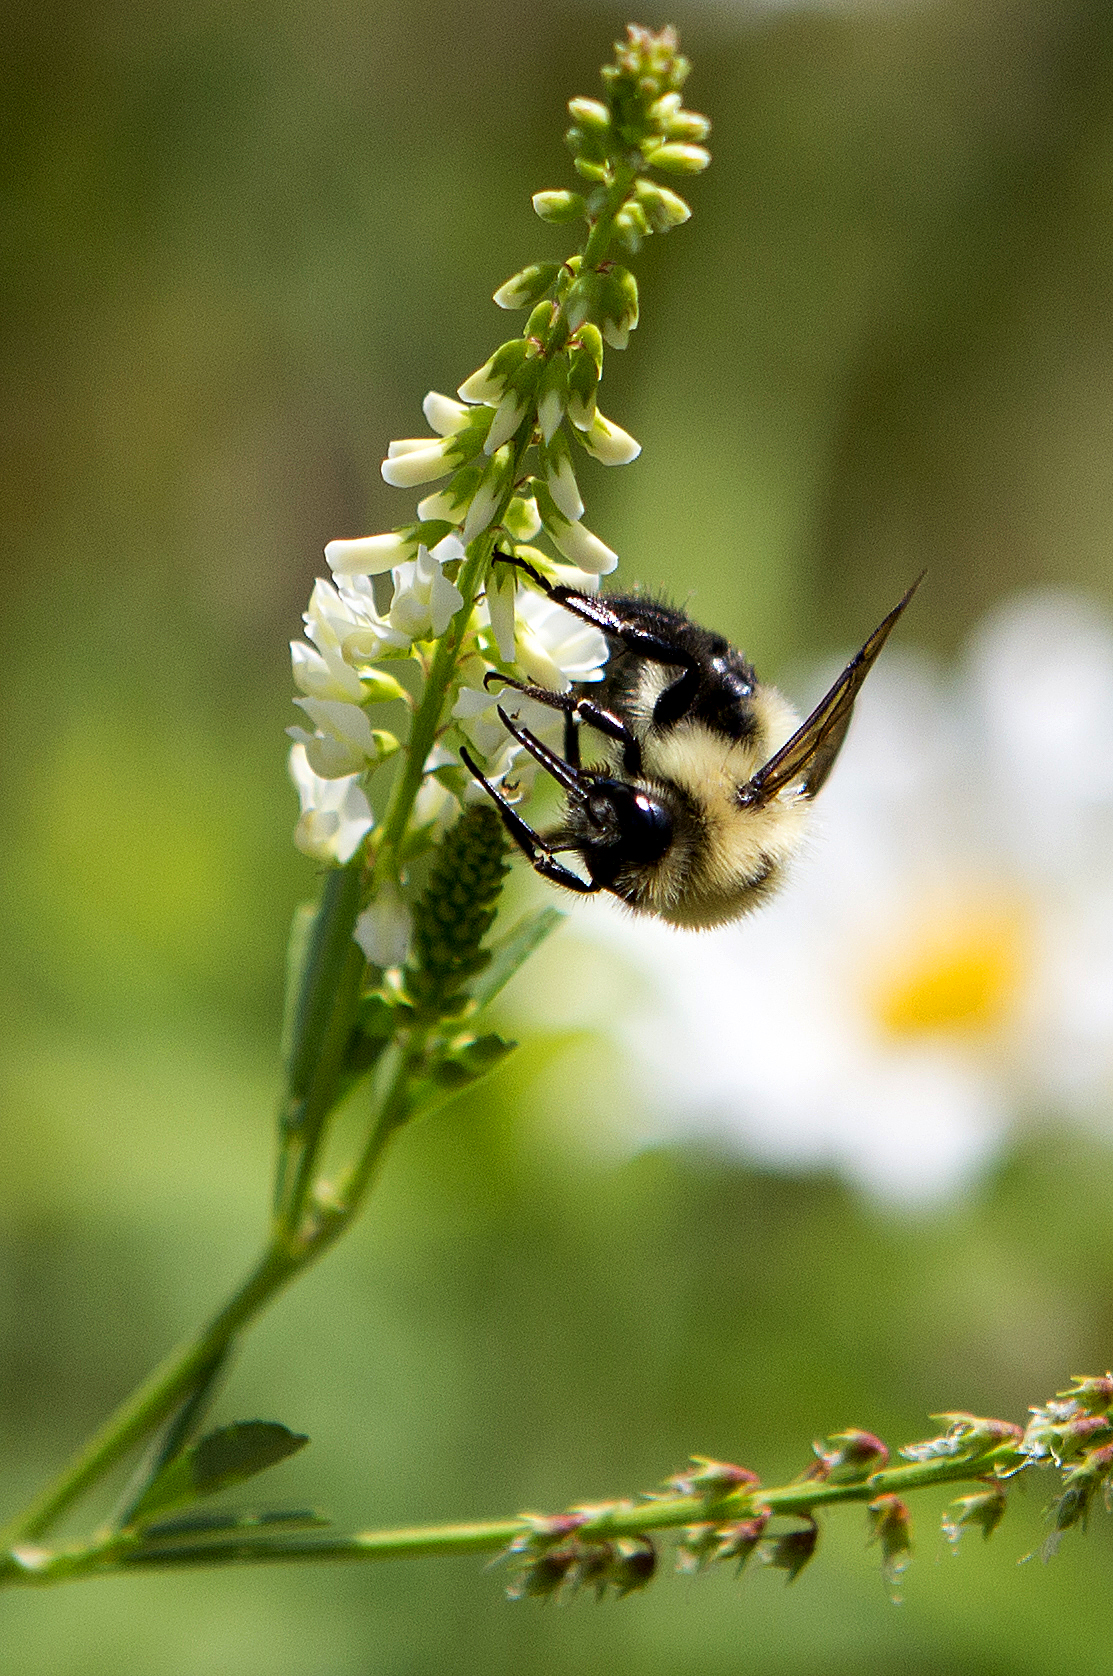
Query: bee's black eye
{"points": [[633, 826]]}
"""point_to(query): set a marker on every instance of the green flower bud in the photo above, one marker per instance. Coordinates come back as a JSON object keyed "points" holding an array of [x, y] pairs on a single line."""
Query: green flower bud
{"points": [[738, 1540], [509, 414], [590, 338], [379, 688], [590, 114], [556, 463], [591, 171], [521, 520], [618, 306], [688, 125], [792, 1552], [633, 1565], [488, 384], [663, 209], [524, 288], [985, 1510], [559, 207], [447, 504], [712, 1480], [457, 908], [848, 1457], [667, 117], [552, 395], [583, 143], [631, 227], [488, 497], [583, 300], [385, 743], [890, 1525], [583, 379], [677, 157], [540, 321], [662, 110]]}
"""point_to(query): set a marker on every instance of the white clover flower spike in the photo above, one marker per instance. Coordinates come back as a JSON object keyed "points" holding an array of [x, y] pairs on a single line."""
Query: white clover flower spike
{"points": [[335, 814]]}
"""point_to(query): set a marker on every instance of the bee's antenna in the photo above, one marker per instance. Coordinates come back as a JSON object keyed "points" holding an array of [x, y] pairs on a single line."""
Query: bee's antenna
{"points": [[499, 557]]}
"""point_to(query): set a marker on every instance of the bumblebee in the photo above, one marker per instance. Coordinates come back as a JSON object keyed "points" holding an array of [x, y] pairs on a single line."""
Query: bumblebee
{"points": [[698, 791]]}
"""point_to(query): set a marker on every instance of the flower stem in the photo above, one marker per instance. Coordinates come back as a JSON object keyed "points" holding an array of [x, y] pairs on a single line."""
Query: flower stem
{"points": [[126, 1551]]}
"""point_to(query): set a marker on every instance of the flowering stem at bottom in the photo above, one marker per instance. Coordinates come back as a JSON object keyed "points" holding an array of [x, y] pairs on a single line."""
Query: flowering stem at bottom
{"points": [[126, 1551]]}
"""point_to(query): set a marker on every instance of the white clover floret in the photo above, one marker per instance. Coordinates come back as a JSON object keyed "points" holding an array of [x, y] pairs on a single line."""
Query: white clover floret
{"points": [[609, 443], [335, 814], [501, 592], [418, 460], [367, 555], [508, 416], [425, 601], [563, 487], [444, 415], [555, 648], [324, 674], [581, 547], [344, 742]]}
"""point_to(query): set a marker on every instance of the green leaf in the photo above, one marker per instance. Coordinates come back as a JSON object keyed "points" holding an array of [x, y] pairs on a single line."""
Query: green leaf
{"points": [[223, 1458], [513, 951], [377, 1016], [469, 1060]]}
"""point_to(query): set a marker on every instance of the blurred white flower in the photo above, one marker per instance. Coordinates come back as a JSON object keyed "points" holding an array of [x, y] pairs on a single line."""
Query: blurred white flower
{"points": [[335, 814], [384, 928], [940, 965], [342, 621]]}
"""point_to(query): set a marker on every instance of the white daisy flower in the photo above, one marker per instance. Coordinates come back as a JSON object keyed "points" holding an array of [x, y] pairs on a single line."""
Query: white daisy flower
{"points": [[941, 964]]}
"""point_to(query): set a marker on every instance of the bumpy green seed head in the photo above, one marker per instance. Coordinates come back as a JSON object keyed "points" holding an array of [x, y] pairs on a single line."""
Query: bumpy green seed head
{"points": [[456, 910]]}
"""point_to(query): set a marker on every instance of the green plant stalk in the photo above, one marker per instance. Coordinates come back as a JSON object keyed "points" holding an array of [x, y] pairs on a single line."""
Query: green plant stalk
{"points": [[324, 1011], [171, 1383], [125, 1552], [324, 1014]]}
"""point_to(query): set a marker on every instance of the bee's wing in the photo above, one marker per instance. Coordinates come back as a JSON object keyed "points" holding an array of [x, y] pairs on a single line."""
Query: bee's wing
{"points": [[809, 755]]}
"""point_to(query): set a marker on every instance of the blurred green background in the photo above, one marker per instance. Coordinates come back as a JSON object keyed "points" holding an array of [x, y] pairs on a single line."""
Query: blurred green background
{"points": [[240, 243]]}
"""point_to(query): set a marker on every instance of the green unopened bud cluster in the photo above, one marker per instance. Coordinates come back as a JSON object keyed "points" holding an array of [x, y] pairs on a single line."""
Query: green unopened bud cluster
{"points": [[455, 911]]}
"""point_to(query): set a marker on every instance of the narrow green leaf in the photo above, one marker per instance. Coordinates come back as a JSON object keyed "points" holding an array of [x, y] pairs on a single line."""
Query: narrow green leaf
{"points": [[186, 1527], [223, 1458], [240, 1451], [513, 951]]}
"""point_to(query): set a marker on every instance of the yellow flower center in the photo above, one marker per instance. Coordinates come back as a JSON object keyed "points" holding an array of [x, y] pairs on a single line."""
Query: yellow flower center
{"points": [[961, 972]]}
